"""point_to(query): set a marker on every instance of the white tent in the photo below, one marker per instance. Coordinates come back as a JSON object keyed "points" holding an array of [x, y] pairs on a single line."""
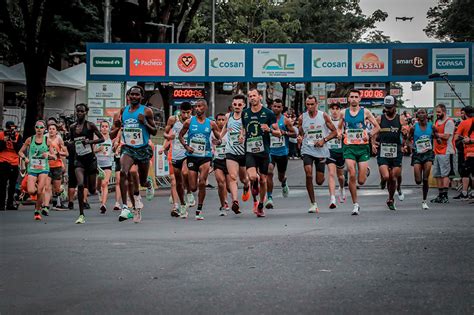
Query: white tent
{"points": [[54, 78], [78, 73], [9, 76]]}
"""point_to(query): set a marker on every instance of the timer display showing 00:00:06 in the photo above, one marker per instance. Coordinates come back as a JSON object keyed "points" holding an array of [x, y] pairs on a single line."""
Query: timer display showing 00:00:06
{"points": [[373, 93], [188, 93]]}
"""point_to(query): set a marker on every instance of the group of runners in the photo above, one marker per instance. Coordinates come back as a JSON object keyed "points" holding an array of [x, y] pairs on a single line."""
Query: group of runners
{"points": [[248, 144]]}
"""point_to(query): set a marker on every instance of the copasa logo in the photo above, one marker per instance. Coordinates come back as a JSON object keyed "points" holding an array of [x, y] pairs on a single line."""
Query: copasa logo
{"points": [[280, 63], [450, 61], [215, 63], [370, 62]]}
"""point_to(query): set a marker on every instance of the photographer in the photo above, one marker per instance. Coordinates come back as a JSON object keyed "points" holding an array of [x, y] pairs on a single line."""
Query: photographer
{"points": [[10, 144]]}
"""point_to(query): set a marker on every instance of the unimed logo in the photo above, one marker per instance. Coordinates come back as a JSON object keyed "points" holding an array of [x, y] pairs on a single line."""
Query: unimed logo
{"points": [[107, 62], [451, 61]]}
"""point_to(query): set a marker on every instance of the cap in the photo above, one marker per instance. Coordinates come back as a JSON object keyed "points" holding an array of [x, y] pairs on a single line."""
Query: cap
{"points": [[10, 124], [389, 100]]}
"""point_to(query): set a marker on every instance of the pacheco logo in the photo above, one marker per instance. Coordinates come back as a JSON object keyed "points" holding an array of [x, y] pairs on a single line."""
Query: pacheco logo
{"points": [[187, 62], [147, 62], [450, 61], [370, 62]]}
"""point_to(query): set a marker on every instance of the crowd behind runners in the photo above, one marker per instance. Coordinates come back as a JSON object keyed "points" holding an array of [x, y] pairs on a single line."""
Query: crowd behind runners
{"points": [[247, 145]]}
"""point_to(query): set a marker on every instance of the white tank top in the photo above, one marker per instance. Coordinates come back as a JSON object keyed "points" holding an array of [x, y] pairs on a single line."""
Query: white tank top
{"points": [[178, 152], [314, 130], [105, 158], [233, 131]]}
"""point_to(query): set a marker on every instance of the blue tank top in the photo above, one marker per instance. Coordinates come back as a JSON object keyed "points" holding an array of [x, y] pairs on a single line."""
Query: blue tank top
{"points": [[423, 139], [134, 133], [279, 145], [199, 136], [356, 128]]}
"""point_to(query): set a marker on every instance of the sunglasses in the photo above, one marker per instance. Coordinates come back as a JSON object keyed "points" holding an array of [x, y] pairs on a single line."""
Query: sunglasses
{"points": [[39, 127]]}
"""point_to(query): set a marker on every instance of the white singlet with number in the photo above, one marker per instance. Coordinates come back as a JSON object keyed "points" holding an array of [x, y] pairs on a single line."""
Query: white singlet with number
{"points": [[314, 136], [133, 136], [334, 143]]}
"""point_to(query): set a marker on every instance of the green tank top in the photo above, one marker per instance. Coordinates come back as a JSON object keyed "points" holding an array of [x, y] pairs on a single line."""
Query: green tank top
{"points": [[38, 164]]}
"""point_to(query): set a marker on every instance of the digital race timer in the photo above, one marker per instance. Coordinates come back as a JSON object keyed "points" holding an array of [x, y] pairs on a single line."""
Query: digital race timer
{"points": [[373, 93], [188, 93]]}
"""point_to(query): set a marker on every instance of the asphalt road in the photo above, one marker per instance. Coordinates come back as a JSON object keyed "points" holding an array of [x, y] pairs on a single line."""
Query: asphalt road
{"points": [[408, 261]]}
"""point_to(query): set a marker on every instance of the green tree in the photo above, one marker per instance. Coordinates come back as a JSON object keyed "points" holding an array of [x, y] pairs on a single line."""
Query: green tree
{"points": [[36, 31], [451, 21]]}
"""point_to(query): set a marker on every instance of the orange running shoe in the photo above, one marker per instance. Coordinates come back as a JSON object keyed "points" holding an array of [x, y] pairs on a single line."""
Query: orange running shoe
{"points": [[246, 194], [37, 216]]}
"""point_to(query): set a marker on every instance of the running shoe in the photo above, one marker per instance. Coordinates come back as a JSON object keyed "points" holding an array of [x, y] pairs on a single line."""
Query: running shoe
{"points": [[124, 215], [37, 216], [255, 189], [117, 206], [45, 211], [260, 212], [87, 205], [400, 195], [461, 196], [342, 195], [356, 209], [63, 193], [437, 199], [444, 199], [246, 194], [222, 211], [255, 206], [183, 212], [314, 208], [137, 215], [226, 206], [332, 204], [81, 219], [285, 190], [70, 205], [60, 207], [103, 209], [269, 203], [150, 190], [424, 205], [191, 200], [199, 216], [391, 205], [236, 207], [175, 213], [138, 202]]}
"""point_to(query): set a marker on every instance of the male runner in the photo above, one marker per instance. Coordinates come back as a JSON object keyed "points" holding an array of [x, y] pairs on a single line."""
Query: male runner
{"points": [[335, 161], [465, 135], [443, 149], [178, 153], [279, 150], [85, 162], [219, 165], [422, 157], [258, 124], [313, 135], [198, 149], [235, 152], [389, 158], [356, 149], [138, 124]]}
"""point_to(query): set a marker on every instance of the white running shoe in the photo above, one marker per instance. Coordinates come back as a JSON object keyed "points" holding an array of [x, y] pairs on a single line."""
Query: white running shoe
{"points": [[150, 190], [138, 202], [424, 205], [400, 195], [314, 208], [191, 200], [356, 209], [137, 215], [342, 195], [183, 211], [332, 203], [124, 214], [222, 211]]}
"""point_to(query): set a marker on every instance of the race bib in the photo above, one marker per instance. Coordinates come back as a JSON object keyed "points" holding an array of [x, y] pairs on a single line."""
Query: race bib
{"points": [[255, 145], [199, 146], [423, 145], [388, 150], [133, 136], [107, 151], [38, 164], [277, 142], [334, 144], [219, 152], [82, 149], [234, 137], [355, 136], [314, 136]]}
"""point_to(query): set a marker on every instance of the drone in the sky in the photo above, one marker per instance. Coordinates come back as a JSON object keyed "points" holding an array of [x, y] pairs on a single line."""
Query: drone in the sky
{"points": [[404, 18]]}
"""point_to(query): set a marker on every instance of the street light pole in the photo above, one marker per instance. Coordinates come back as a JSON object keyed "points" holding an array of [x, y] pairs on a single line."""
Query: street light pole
{"points": [[213, 84], [107, 22]]}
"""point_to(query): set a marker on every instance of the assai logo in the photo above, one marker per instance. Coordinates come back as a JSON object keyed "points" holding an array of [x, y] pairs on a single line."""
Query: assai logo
{"points": [[187, 62], [279, 63], [451, 61], [370, 62], [216, 63]]}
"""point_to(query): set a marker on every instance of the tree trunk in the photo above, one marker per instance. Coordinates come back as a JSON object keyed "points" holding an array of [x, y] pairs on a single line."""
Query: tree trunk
{"points": [[35, 72]]}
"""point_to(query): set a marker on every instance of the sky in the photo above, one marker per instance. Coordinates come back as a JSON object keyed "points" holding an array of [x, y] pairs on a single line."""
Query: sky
{"points": [[405, 32]]}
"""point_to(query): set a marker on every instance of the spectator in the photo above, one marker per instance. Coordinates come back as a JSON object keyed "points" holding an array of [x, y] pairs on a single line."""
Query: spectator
{"points": [[465, 144], [10, 143]]}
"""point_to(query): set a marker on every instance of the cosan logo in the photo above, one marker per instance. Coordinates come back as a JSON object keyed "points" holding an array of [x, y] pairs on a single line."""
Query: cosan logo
{"points": [[215, 63], [370, 61], [450, 61], [417, 62], [317, 63]]}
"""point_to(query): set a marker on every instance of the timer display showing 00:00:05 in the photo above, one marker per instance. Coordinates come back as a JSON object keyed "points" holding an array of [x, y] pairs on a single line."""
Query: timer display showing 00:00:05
{"points": [[188, 93], [373, 93]]}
